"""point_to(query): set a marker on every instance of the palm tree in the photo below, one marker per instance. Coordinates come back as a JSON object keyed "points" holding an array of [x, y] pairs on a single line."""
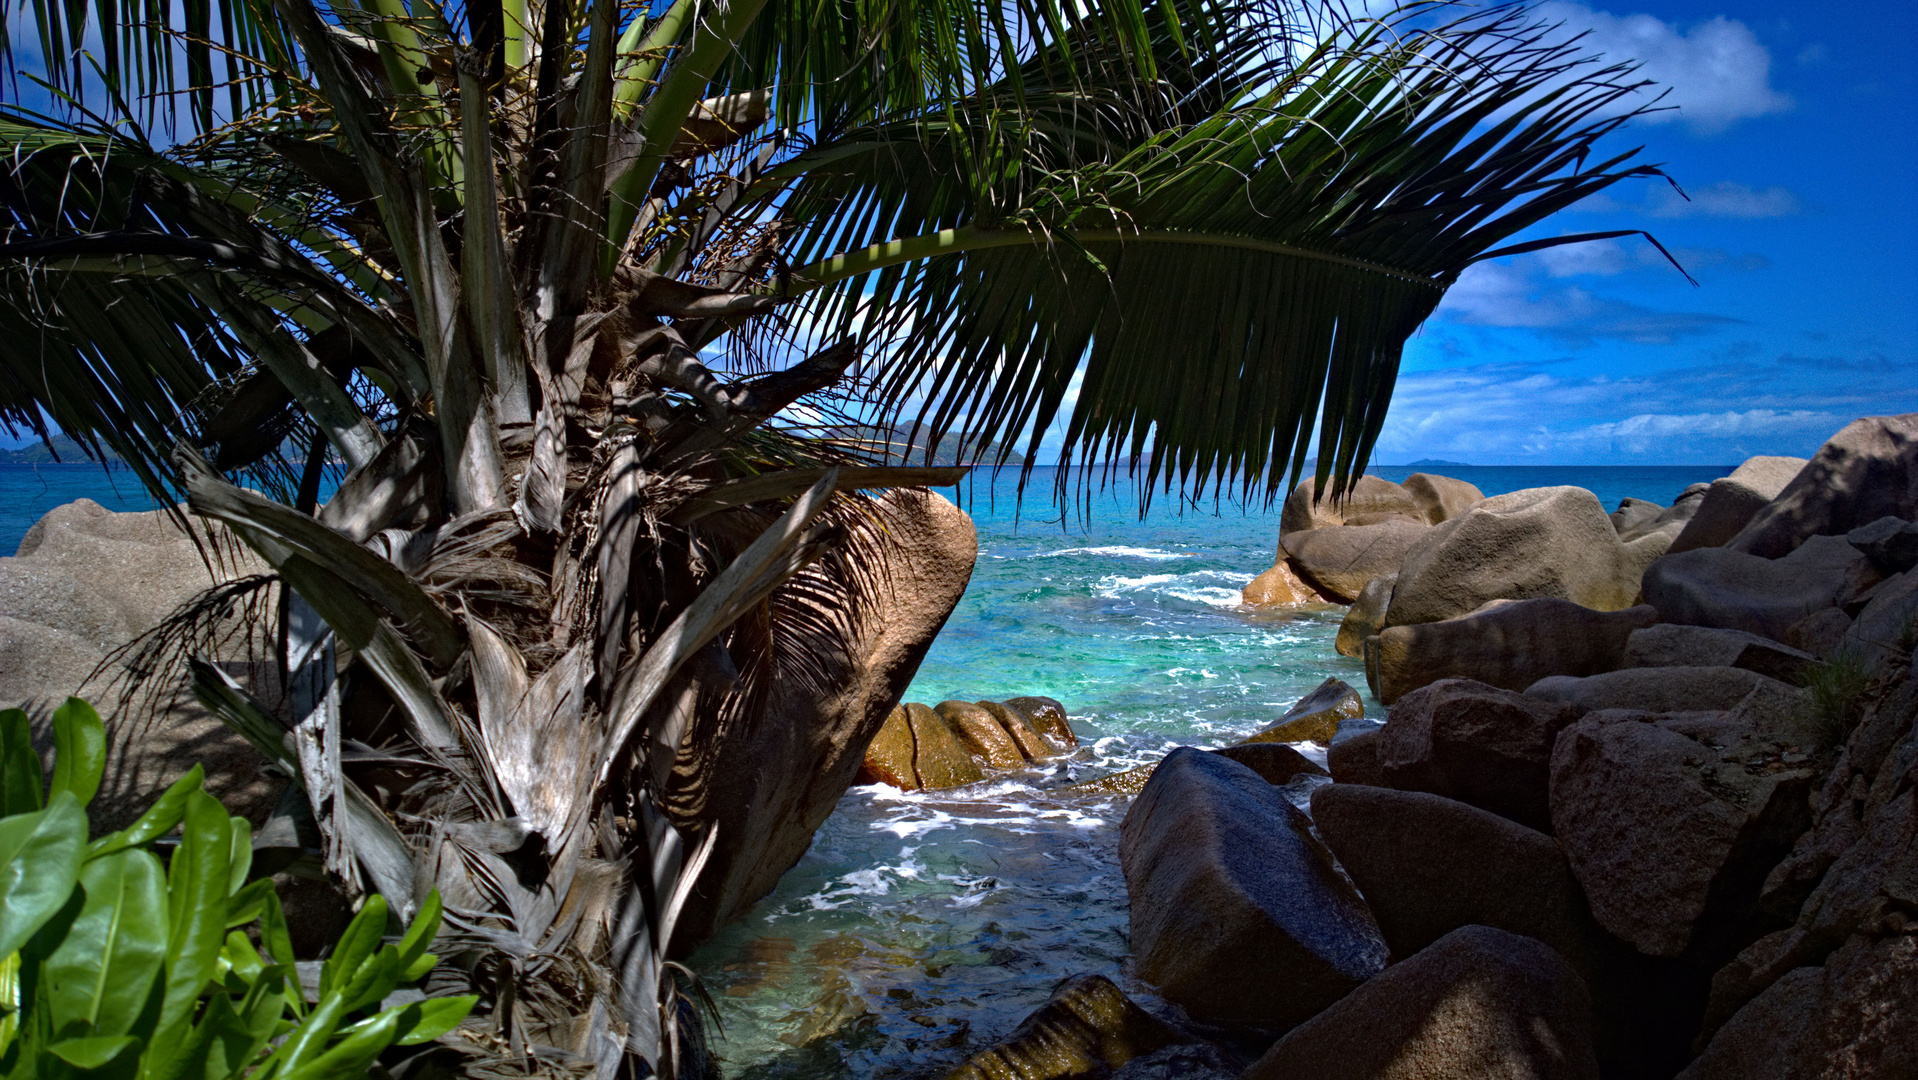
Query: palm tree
{"points": [[603, 314]]}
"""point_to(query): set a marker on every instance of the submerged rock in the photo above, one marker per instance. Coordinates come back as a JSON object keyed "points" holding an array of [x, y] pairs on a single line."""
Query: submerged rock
{"points": [[1478, 1003], [1316, 716], [1239, 915], [1088, 1027], [953, 743]]}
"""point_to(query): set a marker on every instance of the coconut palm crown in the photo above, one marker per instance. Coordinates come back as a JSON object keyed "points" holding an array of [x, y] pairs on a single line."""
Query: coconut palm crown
{"points": [[596, 319]]}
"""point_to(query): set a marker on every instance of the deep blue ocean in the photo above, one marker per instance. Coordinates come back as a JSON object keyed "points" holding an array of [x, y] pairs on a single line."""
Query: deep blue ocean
{"points": [[920, 928]]}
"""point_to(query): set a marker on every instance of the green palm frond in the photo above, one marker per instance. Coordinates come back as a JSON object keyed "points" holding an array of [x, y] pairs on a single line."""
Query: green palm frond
{"points": [[1224, 285]]}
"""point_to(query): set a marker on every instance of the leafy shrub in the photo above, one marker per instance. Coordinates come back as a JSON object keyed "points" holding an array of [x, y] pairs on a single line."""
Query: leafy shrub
{"points": [[124, 965], [1838, 689]]}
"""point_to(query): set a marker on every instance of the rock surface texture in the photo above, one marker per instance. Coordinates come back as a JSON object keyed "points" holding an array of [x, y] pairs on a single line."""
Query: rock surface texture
{"points": [[1732, 501], [954, 743], [86, 582], [1478, 1003], [1238, 913], [1541, 542], [1867, 471], [1478, 744], [1731, 590], [782, 769], [1087, 1028], [1506, 643], [1316, 716], [1671, 824], [1339, 560], [1281, 586]]}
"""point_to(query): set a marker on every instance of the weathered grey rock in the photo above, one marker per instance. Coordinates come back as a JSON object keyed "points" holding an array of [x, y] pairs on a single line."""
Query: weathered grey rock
{"points": [[1888, 626], [1356, 760], [1441, 498], [1276, 763], [1510, 644], [1677, 645], [1732, 501], [1671, 520], [1890, 543], [1087, 1027], [1281, 586], [1339, 560], [1316, 716], [1369, 495], [1479, 1002], [1658, 689], [1478, 744], [1730, 590], [1849, 1019], [1047, 715], [87, 582], [1429, 865], [1820, 633], [1671, 827], [1867, 471], [1632, 513], [1542, 542], [1238, 914], [779, 774], [981, 733], [1366, 616]]}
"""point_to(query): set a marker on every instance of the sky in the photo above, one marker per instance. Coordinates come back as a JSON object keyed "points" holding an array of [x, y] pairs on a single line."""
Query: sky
{"points": [[1795, 138]]}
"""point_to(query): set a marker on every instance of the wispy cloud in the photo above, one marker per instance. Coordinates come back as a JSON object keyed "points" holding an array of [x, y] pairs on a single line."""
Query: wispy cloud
{"points": [[1717, 413], [1492, 294], [1717, 71]]}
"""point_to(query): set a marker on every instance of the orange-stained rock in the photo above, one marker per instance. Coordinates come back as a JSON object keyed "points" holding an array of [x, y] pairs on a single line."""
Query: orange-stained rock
{"points": [[1316, 716], [889, 758], [939, 758], [982, 732], [1047, 715], [1281, 586]]}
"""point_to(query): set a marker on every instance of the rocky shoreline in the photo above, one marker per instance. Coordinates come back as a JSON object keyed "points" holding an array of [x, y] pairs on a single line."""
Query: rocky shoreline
{"points": [[1646, 804]]}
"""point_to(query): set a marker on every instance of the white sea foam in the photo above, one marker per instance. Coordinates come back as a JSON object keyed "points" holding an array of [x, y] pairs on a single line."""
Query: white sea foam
{"points": [[1194, 587], [1117, 551]]}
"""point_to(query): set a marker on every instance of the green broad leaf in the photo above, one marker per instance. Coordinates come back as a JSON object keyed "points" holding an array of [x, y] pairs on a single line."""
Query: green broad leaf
{"points": [[79, 749], [374, 980], [428, 1020], [20, 776], [101, 976], [419, 937], [308, 1039], [248, 902], [279, 945], [241, 855], [357, 944], [40, 856], [91, 1052], [197, 899], [348, 1058], [160, 818], [241, 955], [222, 1044]]}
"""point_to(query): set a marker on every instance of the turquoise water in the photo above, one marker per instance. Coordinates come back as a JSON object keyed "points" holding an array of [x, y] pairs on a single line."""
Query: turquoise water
{"points": [[923, 927], [920, 928]]}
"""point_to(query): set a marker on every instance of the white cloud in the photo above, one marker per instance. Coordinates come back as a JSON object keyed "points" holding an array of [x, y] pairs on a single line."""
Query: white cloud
{"points": [[1725, 199], [1718, 72]]}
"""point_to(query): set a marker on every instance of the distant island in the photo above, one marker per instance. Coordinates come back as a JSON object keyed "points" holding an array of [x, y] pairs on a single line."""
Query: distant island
{"points": [[63, 451], [1435, 463]]}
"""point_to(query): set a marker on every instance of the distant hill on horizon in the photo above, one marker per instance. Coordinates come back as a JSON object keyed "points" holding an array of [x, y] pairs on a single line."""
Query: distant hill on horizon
{"points": [[1435, 463], [38, 453]]}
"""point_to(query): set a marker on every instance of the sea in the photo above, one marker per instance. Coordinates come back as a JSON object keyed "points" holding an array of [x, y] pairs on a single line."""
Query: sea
{"points": [[922, 927]]}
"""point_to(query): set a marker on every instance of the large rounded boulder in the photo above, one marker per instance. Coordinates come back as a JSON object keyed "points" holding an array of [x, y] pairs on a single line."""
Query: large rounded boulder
{"points": [[1339, 560], [1239, 914], [1540, 542], [1867, 471]]}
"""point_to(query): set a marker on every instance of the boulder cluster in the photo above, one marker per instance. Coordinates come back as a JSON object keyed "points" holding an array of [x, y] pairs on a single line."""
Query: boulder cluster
{"points": [[1645, 805]]}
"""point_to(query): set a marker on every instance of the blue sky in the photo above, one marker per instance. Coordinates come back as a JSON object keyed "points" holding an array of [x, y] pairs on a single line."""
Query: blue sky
{"points": [[1796, 140]]}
